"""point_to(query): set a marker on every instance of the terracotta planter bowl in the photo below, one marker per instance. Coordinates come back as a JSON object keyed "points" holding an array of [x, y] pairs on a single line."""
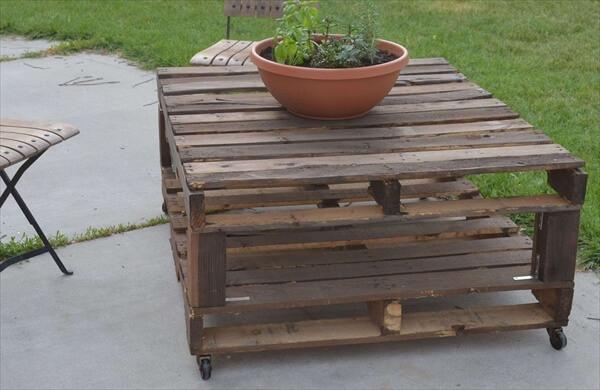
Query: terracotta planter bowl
{"points": [[329, 93]]}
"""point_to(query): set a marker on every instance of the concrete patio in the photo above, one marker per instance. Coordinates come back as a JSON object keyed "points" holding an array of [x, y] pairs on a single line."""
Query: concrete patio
{"points": [[118, 321]]}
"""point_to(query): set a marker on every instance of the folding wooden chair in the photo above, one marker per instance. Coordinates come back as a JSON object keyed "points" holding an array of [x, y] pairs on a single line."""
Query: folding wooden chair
{"points": [[232, 52], [28, 141]]}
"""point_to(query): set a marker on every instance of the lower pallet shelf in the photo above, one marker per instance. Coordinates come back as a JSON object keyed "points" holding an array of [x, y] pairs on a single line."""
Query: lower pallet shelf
{"points": [[360, 330], [365, 264]]}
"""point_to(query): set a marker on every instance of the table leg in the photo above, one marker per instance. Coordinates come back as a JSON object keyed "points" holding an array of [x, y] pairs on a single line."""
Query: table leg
{"points": [[555, 243], [165, 153]]}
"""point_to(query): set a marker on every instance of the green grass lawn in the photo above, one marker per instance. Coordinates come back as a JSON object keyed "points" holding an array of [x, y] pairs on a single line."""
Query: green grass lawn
{"points": [[540, 57]]}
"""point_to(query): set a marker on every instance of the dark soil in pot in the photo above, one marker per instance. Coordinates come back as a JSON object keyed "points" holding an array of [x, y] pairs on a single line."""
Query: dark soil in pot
{"points": [[380, 58]]}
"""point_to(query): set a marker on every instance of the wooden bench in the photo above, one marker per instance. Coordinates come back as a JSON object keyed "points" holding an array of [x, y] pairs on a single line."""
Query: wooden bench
{"points": [[234, 52], [27, 141], [271, 212]]}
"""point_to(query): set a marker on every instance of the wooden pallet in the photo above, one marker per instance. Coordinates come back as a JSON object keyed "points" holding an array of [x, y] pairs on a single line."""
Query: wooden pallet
{"points": [[273, 212]]}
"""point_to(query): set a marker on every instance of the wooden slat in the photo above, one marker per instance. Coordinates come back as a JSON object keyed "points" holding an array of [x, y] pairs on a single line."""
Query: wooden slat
{"points": [[321, 135], [378, 268], [220, 103], [35, 142], [206, 56], [364, 214], [361, 173], [187, 71], [248, 8], [415, 74], [220, 200], [359, 330], [241, 57], [224, 57], [263, 8], [385, 120], [274, 261], [195, 168], [22, 147], [370, 235], [11, 155], [171, 183], [379, 110], [240, 199], [250, 82], [42, 135], [396, 145], [63, 130], [428, 284], [232, 7], [259, 98]]}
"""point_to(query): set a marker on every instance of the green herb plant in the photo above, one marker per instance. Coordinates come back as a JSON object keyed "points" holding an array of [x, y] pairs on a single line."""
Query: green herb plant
{"points": [[294, 44], [299, 21]]}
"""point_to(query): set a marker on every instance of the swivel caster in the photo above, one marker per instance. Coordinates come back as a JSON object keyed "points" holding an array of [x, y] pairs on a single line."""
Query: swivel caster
{"points": [[558, 340], [164, 208], [205, 366]]}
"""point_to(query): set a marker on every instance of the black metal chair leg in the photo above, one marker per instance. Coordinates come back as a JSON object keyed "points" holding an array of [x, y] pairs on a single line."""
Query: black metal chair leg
{"points": [[11, 183], [10, 187]]}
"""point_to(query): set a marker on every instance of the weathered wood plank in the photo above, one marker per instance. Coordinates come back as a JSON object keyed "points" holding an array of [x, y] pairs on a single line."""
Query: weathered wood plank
{"points": [[188, 71], [379, 268], [225, 56], [184, 86], [265, 98], [365, 146], [370, 235], [570, 184], [306, 218], [359, 330], [432, 284], [206, 261], [277, 260], [555, 248], [44, 135], [63, 130], [281, 196], [384, 120], [196, 168], [22, 147], [379, 110], [361, 173], [33, 141], [219, 104], [321, 135], [206, 56], [251, 74]]}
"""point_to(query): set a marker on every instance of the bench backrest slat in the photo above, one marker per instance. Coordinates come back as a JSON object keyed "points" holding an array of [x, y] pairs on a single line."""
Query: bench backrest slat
{"points": [[254, 8]]}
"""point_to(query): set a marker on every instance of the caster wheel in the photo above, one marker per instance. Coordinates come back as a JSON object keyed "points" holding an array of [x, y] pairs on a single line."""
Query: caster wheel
{"points": [[558, 340], [205, 368], [164, 207]]}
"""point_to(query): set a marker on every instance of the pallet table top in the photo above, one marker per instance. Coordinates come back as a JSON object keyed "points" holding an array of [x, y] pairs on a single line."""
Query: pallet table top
{"points": [[230, 133]]}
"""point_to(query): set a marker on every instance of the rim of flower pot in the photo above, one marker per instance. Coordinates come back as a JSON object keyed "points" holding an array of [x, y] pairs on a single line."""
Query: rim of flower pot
{"points": [[329, 73]]}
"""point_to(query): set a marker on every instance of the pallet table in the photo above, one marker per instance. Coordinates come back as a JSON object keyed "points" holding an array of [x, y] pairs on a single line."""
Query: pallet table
{"points": [[271, 212]]}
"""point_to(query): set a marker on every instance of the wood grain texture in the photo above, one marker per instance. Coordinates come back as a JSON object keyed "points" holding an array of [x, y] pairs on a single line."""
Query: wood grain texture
{"points": [[255, 173], [361, 330], [20, 140]]}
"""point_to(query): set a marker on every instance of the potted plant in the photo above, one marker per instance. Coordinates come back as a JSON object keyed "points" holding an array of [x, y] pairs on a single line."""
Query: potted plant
{"points": [[319, 75]]}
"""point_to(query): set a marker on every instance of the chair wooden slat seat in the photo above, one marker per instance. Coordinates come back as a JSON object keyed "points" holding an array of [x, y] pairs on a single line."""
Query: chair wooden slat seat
{"points": [[27, 141], [234, 52], [224, 52], [20, 140]]}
